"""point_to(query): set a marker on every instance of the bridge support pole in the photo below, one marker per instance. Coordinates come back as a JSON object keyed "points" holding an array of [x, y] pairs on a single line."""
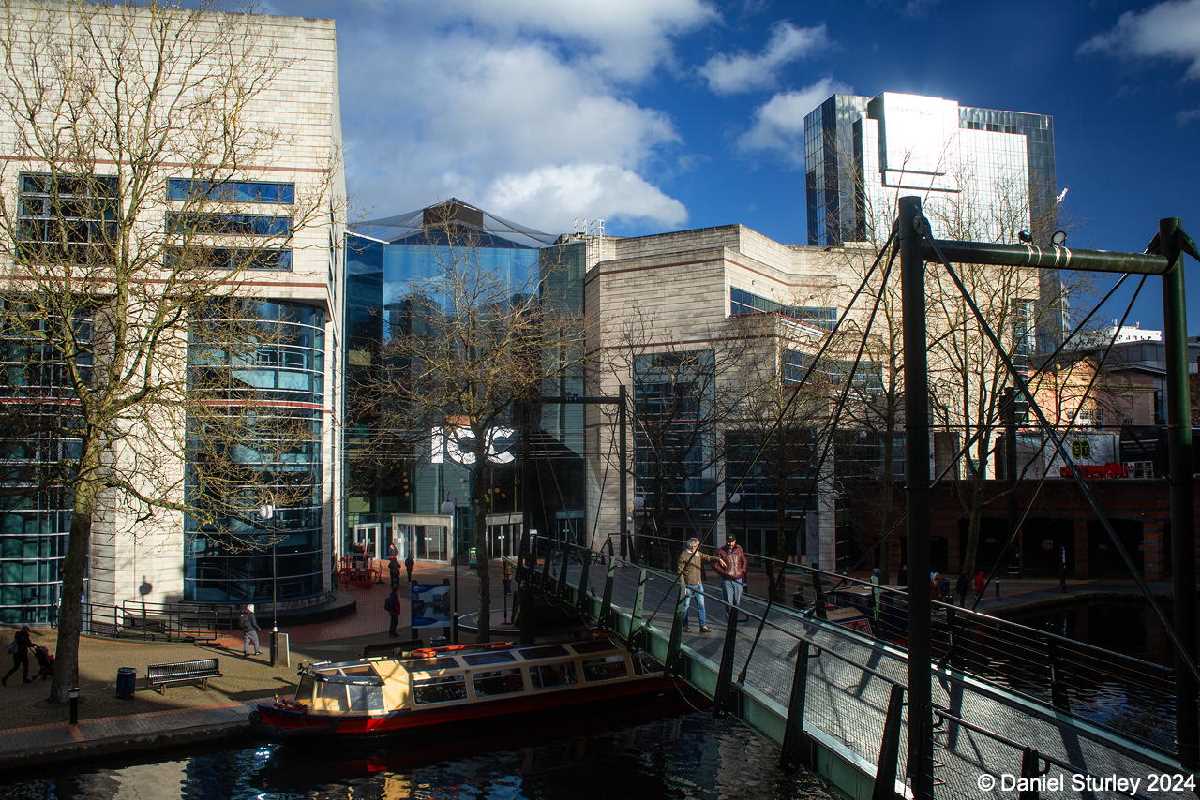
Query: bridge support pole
{"points": [[797, 749], [675, 643], [889, 748], [916, 429], [606, 603], [721, 698], [1179, 449], [585, 569], [562, 571], [639, 602], [1030, 768], [623, 457]]}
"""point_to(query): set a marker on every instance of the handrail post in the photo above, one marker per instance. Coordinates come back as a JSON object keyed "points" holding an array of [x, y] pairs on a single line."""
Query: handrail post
{"points": [[910, 229], [1058, 689], [639, 603], [796, 748], [606, 603], [675, 643], [819, 598], [721, 697], [562, 571], [889, 748], [1030, 768], [581, 591], [1182, 516]]}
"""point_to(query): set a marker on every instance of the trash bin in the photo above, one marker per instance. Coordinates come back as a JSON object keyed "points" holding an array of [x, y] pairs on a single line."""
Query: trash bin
{"points": [[126, 682]]}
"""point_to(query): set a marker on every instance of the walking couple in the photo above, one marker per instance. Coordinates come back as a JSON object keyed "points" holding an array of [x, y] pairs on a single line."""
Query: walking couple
{"points": [[730, 565]]}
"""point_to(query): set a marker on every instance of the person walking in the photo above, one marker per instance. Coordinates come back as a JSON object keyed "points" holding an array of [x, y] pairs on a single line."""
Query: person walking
{"points": [[394, 573], [961, 586], [408, 566], [392, 606], [687, 566], [19, 649], [250, 629], [393, 551], [980, 583], [731, 566]]}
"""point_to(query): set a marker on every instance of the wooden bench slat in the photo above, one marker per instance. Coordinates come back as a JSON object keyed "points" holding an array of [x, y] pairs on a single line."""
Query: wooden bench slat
{"points": [[201, 669]]}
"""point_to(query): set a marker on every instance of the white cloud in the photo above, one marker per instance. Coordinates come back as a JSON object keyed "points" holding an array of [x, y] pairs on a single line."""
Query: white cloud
{"points": [[742, 72], [551, 197], [625, 39], [500, 121], [1188, 117], [779, 123], [1169, 30]]}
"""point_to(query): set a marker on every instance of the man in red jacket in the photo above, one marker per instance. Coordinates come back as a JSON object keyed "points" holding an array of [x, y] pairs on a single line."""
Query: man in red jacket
{"points": [[732, 569]]}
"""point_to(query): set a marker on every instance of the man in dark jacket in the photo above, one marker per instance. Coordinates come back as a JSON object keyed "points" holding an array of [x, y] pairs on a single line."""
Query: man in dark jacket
{"points": [[249, 625], [19, 650], [392, 606], [731, 566]]}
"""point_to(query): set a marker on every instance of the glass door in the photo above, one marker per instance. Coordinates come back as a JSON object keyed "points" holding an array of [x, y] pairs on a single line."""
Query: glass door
{"points": [[368, 539]]}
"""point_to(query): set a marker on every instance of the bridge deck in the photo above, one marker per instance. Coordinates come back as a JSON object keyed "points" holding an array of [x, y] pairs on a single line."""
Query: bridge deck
{"points": [[850, 681]]}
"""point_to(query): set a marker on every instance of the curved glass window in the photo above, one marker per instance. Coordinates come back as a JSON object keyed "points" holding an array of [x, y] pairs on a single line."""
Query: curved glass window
{"points": [[261, 363], [35, 438]]}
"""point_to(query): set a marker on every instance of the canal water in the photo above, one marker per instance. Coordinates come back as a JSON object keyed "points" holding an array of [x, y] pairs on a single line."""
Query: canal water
{"points": [[1123, 626], [689, 756]]}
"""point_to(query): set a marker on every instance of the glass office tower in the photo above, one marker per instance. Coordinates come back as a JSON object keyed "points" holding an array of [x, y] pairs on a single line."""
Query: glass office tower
{"points": [[396, 490]]}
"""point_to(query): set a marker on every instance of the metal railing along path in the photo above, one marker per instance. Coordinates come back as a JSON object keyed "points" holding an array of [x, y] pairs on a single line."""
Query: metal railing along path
{"points": [[832, 688]]}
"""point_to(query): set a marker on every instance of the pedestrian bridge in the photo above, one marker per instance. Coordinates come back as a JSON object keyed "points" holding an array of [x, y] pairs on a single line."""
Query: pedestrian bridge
{"points": [[1008, 700]]}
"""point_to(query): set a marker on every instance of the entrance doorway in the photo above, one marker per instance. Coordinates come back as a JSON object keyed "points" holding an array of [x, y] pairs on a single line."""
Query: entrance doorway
{"points": [[368, 539]]}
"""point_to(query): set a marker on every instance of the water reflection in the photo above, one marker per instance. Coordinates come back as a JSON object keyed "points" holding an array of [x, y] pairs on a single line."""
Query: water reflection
{"points": [[692, 756]]}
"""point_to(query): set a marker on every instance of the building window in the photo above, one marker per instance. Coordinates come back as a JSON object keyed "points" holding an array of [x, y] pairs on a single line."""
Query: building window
{"points": [[1023, 332], [66, 217], [231, 191], [796, 364], [259, 259], [743, 303], [234, 224]]}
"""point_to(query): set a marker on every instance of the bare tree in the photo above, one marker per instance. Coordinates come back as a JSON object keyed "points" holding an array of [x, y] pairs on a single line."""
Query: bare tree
{"points": [[111, 290], [683, 394], [460, 348]]}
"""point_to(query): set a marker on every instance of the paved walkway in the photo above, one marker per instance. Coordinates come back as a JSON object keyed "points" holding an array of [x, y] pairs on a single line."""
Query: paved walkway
{"points": [[850, 681]]}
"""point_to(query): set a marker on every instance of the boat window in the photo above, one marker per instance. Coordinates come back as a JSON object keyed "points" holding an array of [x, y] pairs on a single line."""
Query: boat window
{"points": [[479, 659], [551, 676], [304, 690], [501, 681], [365, 698], [604, 668], [431, 664], [594, 647], [445, 689], [332, 696], [544, 651], [361, 669]]}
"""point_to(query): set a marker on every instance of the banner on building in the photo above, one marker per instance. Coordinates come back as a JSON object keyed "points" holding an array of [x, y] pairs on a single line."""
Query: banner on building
{"points": [[430, 606]]}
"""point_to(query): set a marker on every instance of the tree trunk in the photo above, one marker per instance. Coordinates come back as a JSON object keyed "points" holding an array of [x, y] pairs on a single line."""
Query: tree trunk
{"points": [[481, 489], [70, 615]]}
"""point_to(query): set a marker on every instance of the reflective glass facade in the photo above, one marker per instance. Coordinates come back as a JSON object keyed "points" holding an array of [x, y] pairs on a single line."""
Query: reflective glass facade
{"points": [[389, 264], [35, 499], [275, 377]]}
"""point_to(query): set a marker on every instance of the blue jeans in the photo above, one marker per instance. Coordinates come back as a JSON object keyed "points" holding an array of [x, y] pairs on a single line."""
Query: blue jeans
{"points": [[733, 592], [694, 590]]}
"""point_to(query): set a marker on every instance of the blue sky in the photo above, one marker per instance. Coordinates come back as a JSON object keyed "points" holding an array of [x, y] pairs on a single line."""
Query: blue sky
{"points": [[662, 114]]}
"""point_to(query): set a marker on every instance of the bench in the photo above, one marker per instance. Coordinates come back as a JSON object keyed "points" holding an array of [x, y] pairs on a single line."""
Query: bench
{"points": [[198, 669]]}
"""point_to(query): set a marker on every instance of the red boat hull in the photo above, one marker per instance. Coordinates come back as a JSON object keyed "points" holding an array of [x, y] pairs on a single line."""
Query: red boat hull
{"points": [[289, 721]]}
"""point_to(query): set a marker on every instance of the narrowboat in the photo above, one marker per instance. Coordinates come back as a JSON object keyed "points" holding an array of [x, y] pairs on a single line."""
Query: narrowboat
{"points": [[438, 686]]}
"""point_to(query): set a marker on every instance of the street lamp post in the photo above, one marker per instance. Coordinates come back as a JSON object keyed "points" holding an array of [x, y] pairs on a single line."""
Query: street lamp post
{"points": [[448, 510], [267, 514], [735, 499]]}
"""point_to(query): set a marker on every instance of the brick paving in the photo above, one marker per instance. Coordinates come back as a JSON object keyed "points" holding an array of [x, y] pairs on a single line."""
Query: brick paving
{"points": [[38, 731]]}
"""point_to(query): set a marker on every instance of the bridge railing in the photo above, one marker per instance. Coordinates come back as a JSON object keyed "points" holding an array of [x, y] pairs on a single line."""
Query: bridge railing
{"points": [[802, 679], [1128, 695]]}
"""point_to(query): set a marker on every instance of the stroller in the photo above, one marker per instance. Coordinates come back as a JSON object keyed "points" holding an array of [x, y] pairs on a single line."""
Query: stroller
{"points": [[45, 661]]}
